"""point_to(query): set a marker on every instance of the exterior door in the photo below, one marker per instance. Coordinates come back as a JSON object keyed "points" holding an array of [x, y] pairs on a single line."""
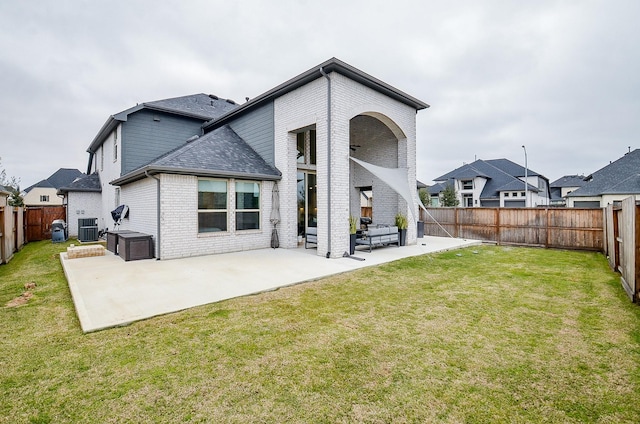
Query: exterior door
{"points": [[307, 201]]}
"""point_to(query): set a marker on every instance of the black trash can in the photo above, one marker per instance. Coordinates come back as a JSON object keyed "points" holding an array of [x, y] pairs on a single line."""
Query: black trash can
{"points": [[420, 229]]}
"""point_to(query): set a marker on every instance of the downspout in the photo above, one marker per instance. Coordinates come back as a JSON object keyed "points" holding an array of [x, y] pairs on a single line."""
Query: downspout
{"points": [[328, 161], [90, 163], [146, 173]]}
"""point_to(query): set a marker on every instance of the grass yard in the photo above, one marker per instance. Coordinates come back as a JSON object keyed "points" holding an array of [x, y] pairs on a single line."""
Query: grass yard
{"points": [[486, 334]]}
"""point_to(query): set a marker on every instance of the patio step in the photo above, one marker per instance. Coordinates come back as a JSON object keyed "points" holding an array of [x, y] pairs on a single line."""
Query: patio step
{"points": [[74, 252]]}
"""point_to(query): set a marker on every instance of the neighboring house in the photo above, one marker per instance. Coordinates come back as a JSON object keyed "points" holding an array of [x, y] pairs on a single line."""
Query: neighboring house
{"points": [[494, 183], [44, 193], [207, 187], [563, 186], [613, 183]]}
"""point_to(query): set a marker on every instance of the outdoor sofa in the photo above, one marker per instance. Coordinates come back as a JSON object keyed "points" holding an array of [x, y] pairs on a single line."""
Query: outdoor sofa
{"points": [[380, 235]]}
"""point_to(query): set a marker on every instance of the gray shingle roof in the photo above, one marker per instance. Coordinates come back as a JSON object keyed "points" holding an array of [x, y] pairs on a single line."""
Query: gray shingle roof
{"points": [[619, 177], [331, 65], [219, 153], [89, 183], [60, 178], [568, 181], [205, 106], [200, 106]]}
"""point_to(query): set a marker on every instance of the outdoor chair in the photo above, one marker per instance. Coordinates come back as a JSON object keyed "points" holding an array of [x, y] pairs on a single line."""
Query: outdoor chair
{"points": [[311, 236]]}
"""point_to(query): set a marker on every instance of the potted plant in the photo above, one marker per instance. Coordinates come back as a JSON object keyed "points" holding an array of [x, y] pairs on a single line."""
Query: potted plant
{"points": [[353, 227], [402, 224]]}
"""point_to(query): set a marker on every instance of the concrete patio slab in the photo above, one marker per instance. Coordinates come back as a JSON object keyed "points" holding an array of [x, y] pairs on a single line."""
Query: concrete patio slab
{"points": [[108, 292]]}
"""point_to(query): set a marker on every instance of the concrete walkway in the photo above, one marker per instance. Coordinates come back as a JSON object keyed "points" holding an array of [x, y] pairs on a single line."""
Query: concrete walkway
{"points": [[108, 292]]}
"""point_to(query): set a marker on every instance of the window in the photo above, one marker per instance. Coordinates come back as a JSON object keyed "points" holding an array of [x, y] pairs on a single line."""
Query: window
{"points": [[506, 194], [467, 184], [212, 206], [247, 206], [115, 145], [522, 194], [44, 198], [467, 200], [306, 147], [117, 197], [102, 158]]}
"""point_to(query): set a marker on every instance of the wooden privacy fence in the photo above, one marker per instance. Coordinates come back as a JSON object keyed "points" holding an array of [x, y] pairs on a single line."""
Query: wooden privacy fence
{"points": [[38, 221], [623, 231], [567, 228]]}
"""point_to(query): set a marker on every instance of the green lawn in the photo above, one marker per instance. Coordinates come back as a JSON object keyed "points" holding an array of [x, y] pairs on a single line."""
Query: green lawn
{"points": [[486, 334]]}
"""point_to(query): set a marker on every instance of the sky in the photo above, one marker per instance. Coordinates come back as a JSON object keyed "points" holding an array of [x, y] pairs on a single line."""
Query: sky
{"points": [[559, 77]]}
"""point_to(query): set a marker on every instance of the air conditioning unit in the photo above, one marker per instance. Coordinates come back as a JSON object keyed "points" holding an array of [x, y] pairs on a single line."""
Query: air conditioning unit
{"points": [[87, 229]]}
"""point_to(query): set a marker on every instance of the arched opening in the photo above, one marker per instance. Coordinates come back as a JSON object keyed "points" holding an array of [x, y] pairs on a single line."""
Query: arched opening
{"points": [[376, 139]]}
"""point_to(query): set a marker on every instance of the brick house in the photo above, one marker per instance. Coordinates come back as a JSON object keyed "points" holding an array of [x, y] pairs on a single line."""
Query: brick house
{"points": [[203, 183]]}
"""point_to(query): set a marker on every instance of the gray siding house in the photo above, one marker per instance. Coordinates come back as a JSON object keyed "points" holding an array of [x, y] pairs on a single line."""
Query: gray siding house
{"points": [[494, 183], [200, 173]]}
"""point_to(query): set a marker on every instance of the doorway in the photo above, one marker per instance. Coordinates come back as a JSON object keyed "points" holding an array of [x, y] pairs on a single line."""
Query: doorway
{"points": [[307, 201]]}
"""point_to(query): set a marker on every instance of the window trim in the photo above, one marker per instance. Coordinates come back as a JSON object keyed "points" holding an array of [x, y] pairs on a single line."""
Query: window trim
{"points": [[236, 210], [226, 210]]}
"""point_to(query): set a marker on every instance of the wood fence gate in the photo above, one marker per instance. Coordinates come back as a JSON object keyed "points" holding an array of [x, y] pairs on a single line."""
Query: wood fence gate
{"points": [[623, 244], [38, 221]]}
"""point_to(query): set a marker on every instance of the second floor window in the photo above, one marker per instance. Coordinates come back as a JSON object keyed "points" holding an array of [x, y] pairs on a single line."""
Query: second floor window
{"points": [[44, 198], [467, 184], [115, 145]]}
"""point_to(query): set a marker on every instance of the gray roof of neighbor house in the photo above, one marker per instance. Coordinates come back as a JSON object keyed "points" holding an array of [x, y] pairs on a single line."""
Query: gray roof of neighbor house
{"points": [[219, 153], [199, 106], [60, 178], [437, 188], [88, 183], [331, 65], [619, 177], [501, 175], [568, 181]]}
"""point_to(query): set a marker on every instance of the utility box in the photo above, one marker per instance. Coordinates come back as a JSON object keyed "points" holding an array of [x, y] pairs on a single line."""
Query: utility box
{"points": [[88, 229], [134, 246], [113, 239]]}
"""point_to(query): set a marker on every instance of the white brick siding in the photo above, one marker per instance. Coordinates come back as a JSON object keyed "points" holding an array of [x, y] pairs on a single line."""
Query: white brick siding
{"points": [[308, 106], [179, 221], [81, 205], [141, 198]]}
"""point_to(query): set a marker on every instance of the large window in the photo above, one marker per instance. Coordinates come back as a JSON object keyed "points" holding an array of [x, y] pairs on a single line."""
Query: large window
{"points": [[212, 206], [306, 147], [467, 184], [247, 206]]}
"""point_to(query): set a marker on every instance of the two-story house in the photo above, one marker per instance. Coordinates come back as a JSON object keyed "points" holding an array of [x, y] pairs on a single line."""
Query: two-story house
{"points": [[203, 175], [494, 183], [44, 192]]}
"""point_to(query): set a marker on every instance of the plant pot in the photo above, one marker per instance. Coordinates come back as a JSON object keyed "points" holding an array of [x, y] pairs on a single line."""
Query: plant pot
{"points": [[352, 243], [403, 237]]}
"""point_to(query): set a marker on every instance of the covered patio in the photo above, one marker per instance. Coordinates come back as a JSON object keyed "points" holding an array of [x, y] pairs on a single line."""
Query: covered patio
{"points": [[109, 292]]}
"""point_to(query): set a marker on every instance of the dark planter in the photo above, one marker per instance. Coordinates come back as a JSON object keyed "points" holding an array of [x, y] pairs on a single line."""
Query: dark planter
{"points": [[403, 237], [352, 243]]}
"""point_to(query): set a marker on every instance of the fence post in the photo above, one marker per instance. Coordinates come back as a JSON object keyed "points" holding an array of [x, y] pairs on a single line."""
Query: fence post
{"points": [[455, 222]]}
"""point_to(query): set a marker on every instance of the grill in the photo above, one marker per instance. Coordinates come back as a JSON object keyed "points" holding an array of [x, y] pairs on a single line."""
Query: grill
{"points": [[58, 230]]}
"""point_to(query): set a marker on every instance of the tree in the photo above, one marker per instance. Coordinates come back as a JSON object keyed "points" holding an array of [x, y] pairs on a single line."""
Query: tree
{"points": [[12, 185], [425, 198], [450, 196]]}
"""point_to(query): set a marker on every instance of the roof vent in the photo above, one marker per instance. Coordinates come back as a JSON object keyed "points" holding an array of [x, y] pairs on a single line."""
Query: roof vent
{"points": [[193, 138], [231, 101], [213, 96]]}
